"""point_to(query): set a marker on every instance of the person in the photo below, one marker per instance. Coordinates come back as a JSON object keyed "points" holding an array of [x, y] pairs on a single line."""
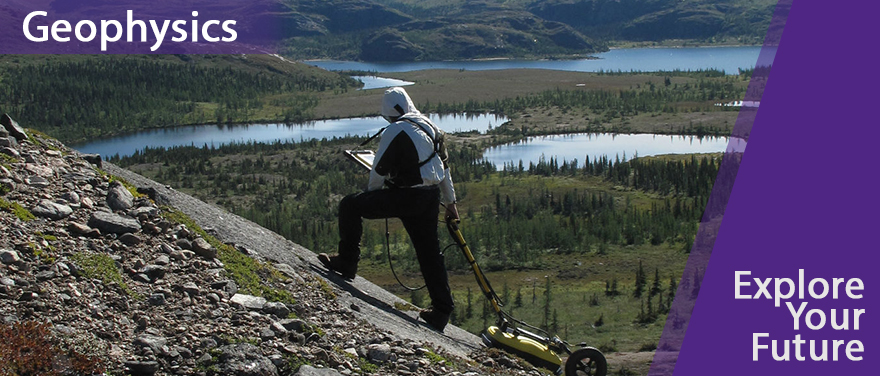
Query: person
{"points": [[409, 179]]}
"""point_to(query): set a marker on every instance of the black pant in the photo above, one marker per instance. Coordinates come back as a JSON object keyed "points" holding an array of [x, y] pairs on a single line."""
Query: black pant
{"points": [[418, 209]]}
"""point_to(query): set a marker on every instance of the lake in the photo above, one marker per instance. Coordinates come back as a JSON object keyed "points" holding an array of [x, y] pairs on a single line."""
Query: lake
{"points": [[217, 135], [596, 145], [374, 82], [728, 59]]}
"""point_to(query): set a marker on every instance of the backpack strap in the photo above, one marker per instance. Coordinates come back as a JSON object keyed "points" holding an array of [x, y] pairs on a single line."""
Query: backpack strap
{"points": [[425, 131]]}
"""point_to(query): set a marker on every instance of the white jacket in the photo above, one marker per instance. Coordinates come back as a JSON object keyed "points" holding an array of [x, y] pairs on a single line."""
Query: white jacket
{"points": [[406, 143]]}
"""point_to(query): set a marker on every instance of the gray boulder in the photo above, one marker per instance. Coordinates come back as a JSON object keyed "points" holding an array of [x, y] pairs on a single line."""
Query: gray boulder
{"points": [[119, 198], [112, 223], [248, 301], [51, 210]]}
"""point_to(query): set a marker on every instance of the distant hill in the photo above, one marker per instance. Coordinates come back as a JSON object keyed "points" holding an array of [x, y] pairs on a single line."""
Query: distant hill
{"points": [[407, 30]]}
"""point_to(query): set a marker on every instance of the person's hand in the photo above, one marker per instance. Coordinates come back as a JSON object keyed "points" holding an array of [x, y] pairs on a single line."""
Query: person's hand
{"points": [[451, 212]]}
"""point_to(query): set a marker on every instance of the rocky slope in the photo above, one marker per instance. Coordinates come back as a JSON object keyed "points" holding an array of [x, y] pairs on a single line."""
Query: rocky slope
{"points": [[102, 270]]}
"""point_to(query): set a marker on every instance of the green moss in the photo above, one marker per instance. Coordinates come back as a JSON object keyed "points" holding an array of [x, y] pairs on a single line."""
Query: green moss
{"points": [[100, 266], [366, 366], [13, 207], [31, 133], [6, 160], [326, 289], [435, 358], [292, 363], [405, 307], [50, 238], [248, 274]]}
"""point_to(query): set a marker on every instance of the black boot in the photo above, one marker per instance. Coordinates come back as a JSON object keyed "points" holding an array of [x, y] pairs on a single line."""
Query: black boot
{"points": [[435, 318], [347, 269]]}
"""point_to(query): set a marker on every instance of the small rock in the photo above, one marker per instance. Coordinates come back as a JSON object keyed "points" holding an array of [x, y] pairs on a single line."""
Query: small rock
{"points": [[154, 271], [51, 210], [183, 351], [228, 287], [191, 288], [28, 296], [130, 239], [112, 223], [294, 325], [184, 244], [248, 301], [307, 370], [9, 257], [276, 308], [151, 229], [166, 248], [182, 255], [10, 152], [119, 198], [81, 229], [156, 299], [278, 328], [379, 352], [202, 248], [38, 182], [142, 368], [213, 298], [154, 343], [72, 198], [144, 211], [267, 334], [162, 260]]}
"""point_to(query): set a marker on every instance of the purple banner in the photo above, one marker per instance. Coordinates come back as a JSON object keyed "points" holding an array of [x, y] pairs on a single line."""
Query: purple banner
{"points": [[789, 289], [140, 27]]}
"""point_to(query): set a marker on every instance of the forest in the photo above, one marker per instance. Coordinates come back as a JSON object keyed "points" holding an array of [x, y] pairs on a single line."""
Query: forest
{"points": [[516, 213], [76, 99]]}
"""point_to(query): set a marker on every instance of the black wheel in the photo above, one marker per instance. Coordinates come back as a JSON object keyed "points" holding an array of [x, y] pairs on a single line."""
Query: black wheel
{"points": [[586, 361]]}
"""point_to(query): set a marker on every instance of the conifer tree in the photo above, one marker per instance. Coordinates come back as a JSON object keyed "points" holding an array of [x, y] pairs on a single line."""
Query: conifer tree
{"points": [[641, 281], [655, 287]]}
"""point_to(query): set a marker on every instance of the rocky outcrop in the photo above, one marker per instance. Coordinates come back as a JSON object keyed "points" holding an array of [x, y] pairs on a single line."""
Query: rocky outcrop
{"points": [[113, 283]]}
